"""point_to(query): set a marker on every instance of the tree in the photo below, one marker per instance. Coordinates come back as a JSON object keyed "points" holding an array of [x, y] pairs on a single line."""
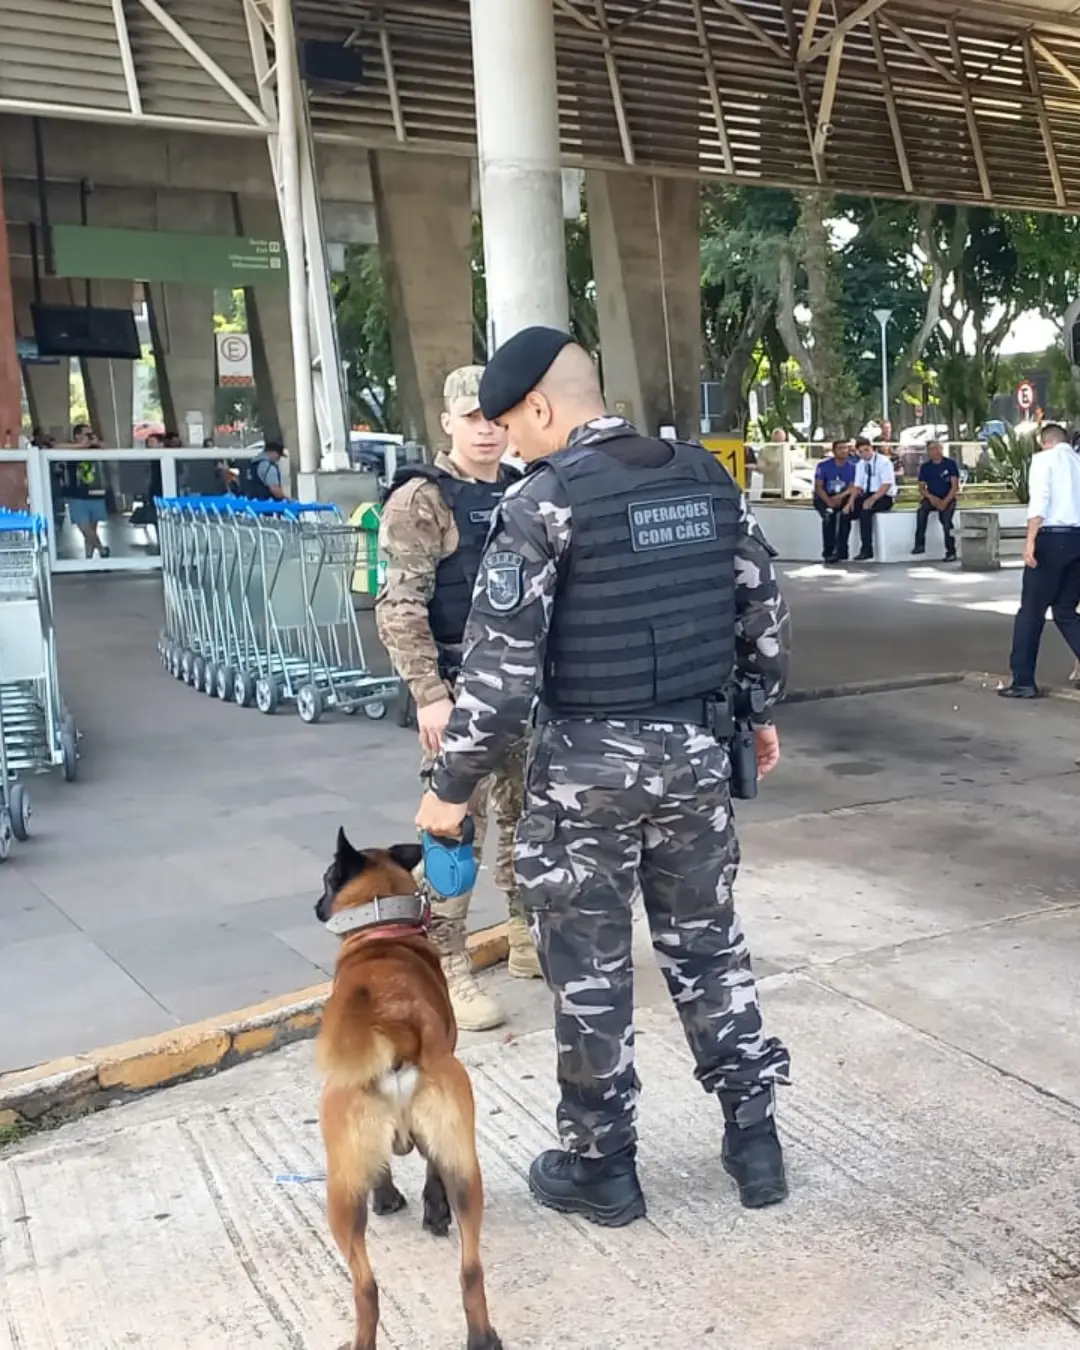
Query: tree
{"points": [[742, 234], [364, 338]]}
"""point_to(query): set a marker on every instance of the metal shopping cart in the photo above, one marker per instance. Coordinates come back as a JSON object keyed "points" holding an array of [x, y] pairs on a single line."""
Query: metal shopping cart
{"points": [[258, 606], [36, 730], [40, 732]]}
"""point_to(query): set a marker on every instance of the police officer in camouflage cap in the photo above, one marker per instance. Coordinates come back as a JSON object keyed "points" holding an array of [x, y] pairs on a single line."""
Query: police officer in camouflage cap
{"points": [[434, 525], [627, 584]]}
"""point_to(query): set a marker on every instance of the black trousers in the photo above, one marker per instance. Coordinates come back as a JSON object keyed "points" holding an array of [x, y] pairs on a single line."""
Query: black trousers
{"points": [[922, 519], [865, 515], [1055, 585], [835, 529]]}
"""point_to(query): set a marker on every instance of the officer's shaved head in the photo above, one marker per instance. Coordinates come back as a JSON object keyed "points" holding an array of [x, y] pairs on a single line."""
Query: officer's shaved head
{"points": [[567, 395]]}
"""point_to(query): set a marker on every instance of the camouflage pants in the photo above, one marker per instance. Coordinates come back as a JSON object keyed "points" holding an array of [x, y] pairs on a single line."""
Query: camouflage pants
{"points": [[609, 807], [498, 797]]}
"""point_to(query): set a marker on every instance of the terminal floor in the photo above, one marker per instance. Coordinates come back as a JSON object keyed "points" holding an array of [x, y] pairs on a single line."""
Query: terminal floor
{"points": [[909, 892], [176, 879]]}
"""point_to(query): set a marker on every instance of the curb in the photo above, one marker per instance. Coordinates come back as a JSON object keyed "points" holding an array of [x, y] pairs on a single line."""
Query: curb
{"points": [[886, 686], [64, 1089], [983, 680]]}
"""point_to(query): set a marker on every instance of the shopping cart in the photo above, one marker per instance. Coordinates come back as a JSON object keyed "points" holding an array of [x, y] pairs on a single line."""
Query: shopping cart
{"points": [[258, 606], [36, 730]]}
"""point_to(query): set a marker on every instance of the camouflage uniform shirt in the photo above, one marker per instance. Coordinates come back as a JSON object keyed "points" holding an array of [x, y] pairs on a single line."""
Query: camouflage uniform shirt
{"points": [[504, 651], [416, 533]]}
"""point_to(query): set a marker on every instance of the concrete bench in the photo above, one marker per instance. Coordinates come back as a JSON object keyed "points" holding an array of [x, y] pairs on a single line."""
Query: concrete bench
{"points": [[983, 538]]}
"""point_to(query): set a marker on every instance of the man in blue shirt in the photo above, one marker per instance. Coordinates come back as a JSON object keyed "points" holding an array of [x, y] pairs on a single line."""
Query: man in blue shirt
{"points": [[833, 482], [939, 485]]}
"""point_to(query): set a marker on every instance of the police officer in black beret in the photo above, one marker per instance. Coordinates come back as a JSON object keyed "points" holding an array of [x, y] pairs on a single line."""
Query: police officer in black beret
{"points": [[627, 584]]}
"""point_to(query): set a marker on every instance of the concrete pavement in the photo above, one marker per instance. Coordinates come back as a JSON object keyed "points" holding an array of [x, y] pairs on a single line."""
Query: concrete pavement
{"points": [[909, 889], [175, 881]]}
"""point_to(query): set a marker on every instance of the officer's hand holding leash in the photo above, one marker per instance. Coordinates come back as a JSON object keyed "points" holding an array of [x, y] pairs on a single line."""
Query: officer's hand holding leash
{"points": [[440, 818]]}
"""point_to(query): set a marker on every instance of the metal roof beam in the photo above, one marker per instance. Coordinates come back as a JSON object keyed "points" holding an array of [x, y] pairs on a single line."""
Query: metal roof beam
{"points": [[1032, 67], [969, 113], [713, 85], [183, 39], [897, 130], [813, 11], [823, 129], [845, 25], [920, 51], [612, 66], [766, 39], [127, 60]]}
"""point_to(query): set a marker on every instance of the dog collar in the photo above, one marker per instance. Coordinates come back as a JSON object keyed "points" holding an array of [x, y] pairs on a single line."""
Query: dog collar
{"points": [[384, 909]]}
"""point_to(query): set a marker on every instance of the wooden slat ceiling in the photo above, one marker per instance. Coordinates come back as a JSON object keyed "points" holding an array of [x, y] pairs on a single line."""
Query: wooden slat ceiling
{"points": [[977, 100]]}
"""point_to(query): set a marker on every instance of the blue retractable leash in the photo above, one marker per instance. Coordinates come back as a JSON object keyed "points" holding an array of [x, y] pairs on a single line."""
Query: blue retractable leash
{"points": [[450, 865]]}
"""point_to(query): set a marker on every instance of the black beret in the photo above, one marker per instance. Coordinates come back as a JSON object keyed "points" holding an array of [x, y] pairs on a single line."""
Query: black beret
{"points": [[518, 367]]}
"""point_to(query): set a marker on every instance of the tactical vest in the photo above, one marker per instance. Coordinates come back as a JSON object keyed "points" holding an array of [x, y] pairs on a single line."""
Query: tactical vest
{"points": [[645, 613], [473, 505], [254, 487]]}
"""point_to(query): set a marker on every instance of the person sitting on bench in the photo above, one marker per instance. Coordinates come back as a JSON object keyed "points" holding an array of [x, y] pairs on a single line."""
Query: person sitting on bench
{"points": [[875, 491], [939, 486]]}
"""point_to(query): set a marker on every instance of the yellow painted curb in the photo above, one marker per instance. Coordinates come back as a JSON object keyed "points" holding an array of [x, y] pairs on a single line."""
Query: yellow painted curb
{"points": [[63, 1089]]}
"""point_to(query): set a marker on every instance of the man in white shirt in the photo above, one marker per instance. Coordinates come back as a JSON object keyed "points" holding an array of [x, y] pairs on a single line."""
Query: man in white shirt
{"points": [[1051, 558], [875, 491]]}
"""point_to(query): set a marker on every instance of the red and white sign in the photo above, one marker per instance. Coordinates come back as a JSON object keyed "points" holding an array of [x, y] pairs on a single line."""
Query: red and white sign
{"points": [[234, 359], [1025, 396]]}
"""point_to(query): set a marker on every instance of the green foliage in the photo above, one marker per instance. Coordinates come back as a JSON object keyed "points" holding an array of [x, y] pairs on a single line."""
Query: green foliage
{"points": [[1010, 459]]}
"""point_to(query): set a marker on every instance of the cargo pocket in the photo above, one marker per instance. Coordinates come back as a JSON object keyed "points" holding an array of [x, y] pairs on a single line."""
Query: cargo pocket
{"points": [[534, 861]]}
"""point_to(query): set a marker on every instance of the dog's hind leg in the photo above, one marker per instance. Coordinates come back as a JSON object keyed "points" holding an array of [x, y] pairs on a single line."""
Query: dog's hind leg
{"points": [[348, 1223], [385, 1196], [437, 1213], [444, 1124]]}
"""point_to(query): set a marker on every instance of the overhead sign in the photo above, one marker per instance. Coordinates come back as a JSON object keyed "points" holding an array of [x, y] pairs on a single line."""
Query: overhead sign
{"points": [[1025, 396], [88, 252], [234, 364]]}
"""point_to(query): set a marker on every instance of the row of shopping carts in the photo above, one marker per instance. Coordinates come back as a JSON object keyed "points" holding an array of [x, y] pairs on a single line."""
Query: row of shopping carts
{"points": [[259, 608], [37, 733]]}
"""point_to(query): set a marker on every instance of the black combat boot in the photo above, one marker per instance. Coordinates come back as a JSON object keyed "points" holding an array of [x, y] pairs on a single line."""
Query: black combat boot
{"points": [[605, 1190], [752, 1154]]}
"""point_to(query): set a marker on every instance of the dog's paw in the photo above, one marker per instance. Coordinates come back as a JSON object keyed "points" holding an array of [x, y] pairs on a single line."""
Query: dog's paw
{"points": [[387, 1199], [437, 1213], [484, 1340]]}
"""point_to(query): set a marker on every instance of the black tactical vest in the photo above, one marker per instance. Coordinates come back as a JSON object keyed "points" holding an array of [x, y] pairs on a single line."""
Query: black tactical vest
{"points": [[645, 612], [473, 505]]}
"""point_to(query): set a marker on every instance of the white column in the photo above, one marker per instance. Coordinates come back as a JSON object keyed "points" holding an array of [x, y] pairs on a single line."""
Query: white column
{"points": [[289, 114], [517, 123]]}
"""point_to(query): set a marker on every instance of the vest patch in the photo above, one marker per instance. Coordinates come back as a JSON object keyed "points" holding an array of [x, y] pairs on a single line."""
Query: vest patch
{"points": [[502, 581], [668, 522], [481, 517]]}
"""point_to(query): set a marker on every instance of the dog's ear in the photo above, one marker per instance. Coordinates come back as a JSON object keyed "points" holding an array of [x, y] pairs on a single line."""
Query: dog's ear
{"points": [[344, 853], [407, 855]]}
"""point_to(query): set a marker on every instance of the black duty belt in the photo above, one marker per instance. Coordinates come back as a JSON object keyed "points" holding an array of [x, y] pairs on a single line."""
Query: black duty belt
{"points": [[1059, 529], [714, 715]]}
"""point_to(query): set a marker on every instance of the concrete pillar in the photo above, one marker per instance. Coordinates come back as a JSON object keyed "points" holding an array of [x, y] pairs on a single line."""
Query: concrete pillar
{"points": [[268, 327], [13, 492], [517, 123], [110, 385], [182, 326], [645, 235], [424, 209]]}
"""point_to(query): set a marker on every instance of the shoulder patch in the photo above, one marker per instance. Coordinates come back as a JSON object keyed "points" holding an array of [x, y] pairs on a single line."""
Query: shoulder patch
{"points": [[671, 522], [502, 580]]}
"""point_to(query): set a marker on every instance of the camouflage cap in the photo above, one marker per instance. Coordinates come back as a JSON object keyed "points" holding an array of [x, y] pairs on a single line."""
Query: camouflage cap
{"points": [[461, 391]]}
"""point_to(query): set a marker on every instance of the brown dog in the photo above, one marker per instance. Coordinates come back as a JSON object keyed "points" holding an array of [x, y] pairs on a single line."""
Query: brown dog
{"points": [[392, 1078]]}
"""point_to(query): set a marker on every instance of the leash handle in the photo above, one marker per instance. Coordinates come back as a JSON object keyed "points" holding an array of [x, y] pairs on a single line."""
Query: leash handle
{"points": [[466, 837]]}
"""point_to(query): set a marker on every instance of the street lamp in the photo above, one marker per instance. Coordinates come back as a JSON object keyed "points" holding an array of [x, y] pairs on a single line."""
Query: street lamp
{"points": [[883, 316]]}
